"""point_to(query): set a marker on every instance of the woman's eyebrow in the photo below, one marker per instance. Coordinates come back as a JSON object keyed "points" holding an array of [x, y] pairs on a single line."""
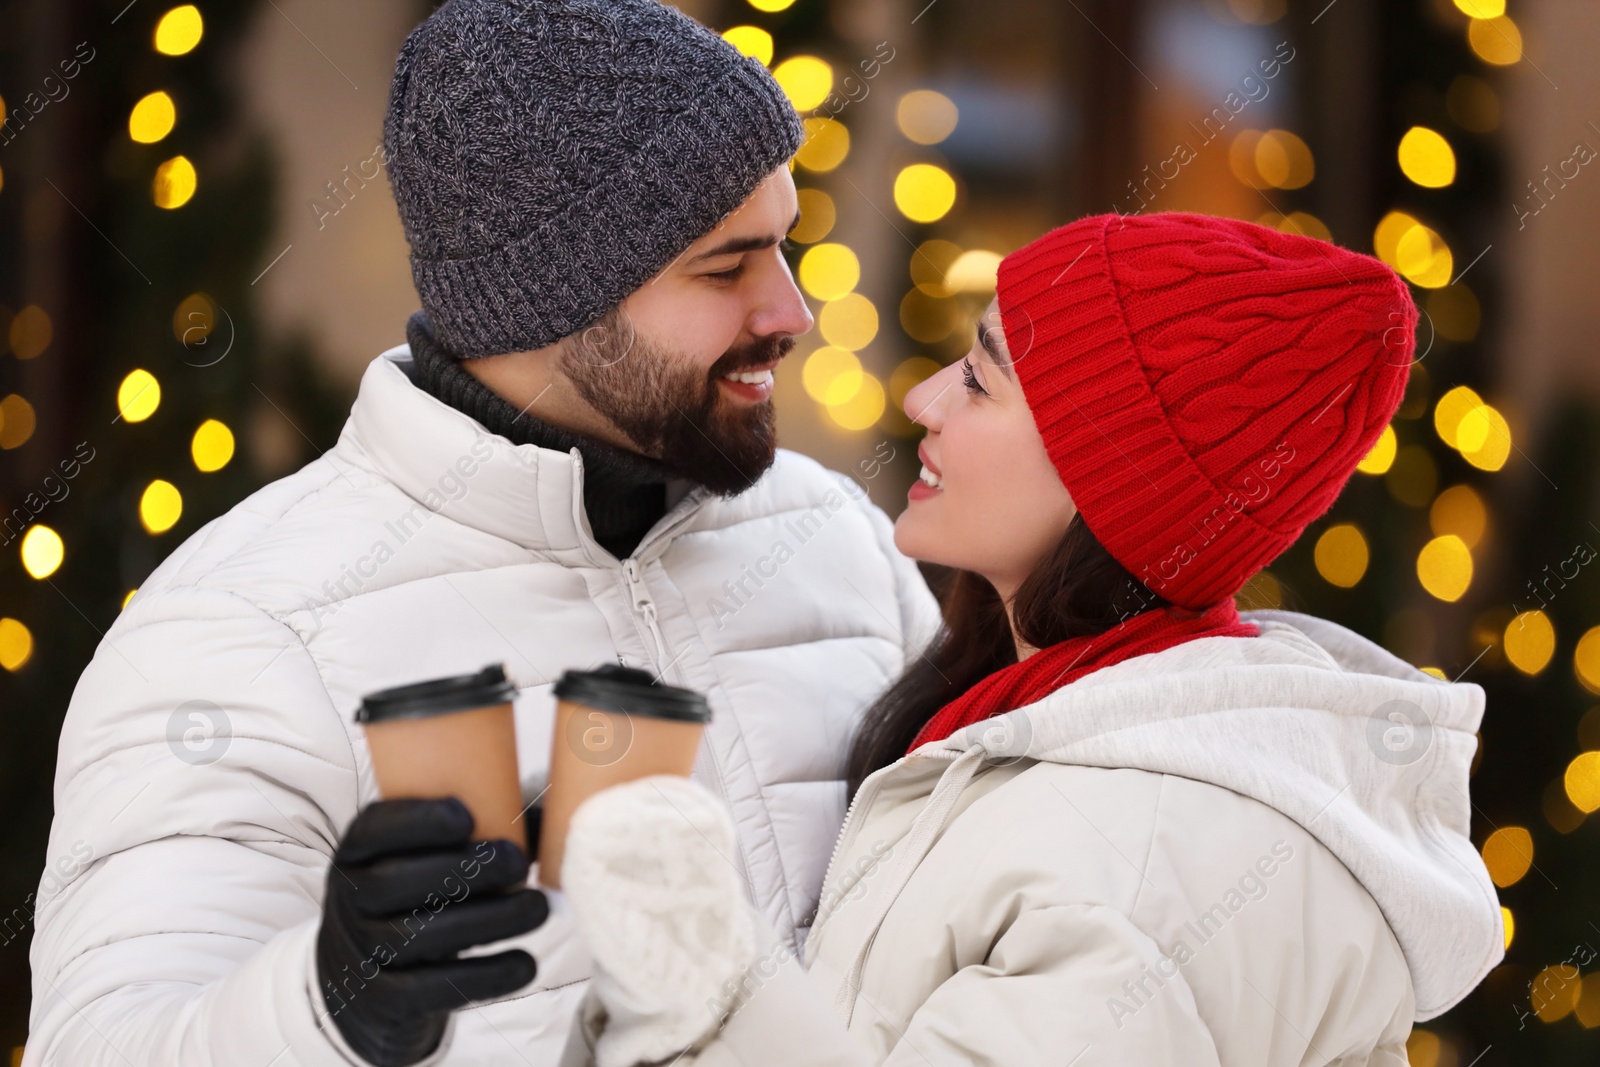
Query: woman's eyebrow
{"points": [[994, 355]]}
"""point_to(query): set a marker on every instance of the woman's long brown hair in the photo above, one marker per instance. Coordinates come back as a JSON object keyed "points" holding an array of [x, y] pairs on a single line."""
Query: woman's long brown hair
{"points": [[1075, 591]]}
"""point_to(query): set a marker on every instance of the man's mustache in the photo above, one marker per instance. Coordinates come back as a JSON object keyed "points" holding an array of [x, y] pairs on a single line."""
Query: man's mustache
{"points": [[758, 353]]}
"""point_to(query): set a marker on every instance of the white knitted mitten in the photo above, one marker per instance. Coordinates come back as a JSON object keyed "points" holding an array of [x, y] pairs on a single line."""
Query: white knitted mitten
{"points": [[649, 875]]}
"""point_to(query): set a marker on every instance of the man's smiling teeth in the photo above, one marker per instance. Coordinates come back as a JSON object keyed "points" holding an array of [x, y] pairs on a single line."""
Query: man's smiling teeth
{"points": [[750, 377], [930, 478]]}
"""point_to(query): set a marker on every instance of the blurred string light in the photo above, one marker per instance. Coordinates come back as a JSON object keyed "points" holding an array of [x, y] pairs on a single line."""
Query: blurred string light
{"points": [[771, 5], [926, 117], [16, 422], [128, 598], [152, 118], [827, 142], [42, 551], [1303, 223], [174, 183], [1341, 555], [1508, 854], [1559, 988], [751, 41], [1530, 641], [908, 375], [31, 332], [817, 216], [930, 265], [1582, 782], [924, 192], [138, 396], [193, 320], [974, 271], [850, 322], [1482, 9], [1509, 922], [1586, 664], [1496, 41], [1444, 567], [1427, 158], [16, 644], [829, 271], [179, 31], [1414, 250], [160, 506], [831, 375], [1475, 429], [1381, 456], [212, 446], [1461, 511], [1274, 159], [805, 80], [862, 409]]}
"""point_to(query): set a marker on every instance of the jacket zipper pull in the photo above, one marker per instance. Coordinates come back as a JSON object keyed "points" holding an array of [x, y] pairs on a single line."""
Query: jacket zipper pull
{"points": [[644, 606]]}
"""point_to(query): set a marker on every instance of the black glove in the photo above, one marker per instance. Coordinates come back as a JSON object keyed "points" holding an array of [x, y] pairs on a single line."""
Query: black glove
{"points": [[408, 890]]}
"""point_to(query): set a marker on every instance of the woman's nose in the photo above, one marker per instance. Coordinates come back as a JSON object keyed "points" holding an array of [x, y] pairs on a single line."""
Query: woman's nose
{"points": [[926, 401]]}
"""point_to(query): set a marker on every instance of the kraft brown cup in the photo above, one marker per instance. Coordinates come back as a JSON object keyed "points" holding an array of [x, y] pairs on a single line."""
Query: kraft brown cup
{"points": [[612, 725], [451, 737]]}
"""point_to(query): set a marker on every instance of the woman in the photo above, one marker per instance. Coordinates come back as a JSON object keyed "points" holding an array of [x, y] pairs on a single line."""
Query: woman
{"points": [[1106, 820]]}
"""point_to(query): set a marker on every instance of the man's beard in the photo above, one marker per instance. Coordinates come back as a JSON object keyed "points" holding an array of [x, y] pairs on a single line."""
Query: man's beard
{"points": [[673, 409]]}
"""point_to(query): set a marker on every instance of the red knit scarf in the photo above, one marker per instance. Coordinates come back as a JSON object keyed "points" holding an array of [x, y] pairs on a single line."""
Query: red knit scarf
{"points": [[1051, 668]]}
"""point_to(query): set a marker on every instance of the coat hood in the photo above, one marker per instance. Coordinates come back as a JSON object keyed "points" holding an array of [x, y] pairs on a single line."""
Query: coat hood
{"points": [[1367, 753]]}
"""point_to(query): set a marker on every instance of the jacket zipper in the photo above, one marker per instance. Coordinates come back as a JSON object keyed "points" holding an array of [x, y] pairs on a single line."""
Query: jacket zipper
{"points": [[643, 605]]}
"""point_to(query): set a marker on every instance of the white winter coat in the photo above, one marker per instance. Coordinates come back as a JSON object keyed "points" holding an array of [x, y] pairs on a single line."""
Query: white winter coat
{"points": [[209, 762], [1232, 852]]}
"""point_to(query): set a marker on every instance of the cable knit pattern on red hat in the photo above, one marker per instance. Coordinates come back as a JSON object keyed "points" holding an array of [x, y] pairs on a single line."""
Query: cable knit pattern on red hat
{"points": [[1204, 386]]}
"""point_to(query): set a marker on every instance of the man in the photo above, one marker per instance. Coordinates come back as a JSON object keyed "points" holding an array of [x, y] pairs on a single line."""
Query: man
{"points": [[571, 463]]}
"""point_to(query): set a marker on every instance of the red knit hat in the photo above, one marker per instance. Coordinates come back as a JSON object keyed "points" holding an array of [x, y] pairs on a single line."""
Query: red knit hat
{"points": [[1204, 386]]}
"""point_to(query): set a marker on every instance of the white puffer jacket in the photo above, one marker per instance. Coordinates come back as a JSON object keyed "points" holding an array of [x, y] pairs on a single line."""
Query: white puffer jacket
{"points": [[209, 762], [1241, 852]]}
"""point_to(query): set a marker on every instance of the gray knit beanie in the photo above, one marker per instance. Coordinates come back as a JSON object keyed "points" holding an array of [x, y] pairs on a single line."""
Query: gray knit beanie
{"points": [[550, 156]]}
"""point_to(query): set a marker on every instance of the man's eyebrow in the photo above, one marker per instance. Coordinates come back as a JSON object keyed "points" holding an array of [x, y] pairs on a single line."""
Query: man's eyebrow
{"points": [[989, 347], [736, 245]]}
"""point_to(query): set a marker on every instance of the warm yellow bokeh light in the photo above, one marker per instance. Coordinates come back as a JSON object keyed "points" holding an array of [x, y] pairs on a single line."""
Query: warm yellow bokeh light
{"points": [[16, 644], [1482, 9], [1582, 782], [1304, 224], [926, 117], [138, 396], [1381, 456], [1444, 567], [1496, 40], [752, 41], [16, 421], [1555, 992], [826, 145], [1530, 641], [1461, 511], [152, 118], [174, 183], [931, 263], [805, 80], [1341, 555], [1586, 659], [974, 271], [1508, 853], [1424, 258], [817, 216], [849, 322], [1426, 158], [126, 599], [1283, 160], [1386, 237], [160, 506], [193, 320], [1453, 407], [928, 319], [42, 551], [770, 6], [1509, 922], [179, 30], [861, 410], [828, 271], [212, 446], [31, 332], [1484, 438], [831, 375], [924, 192]]}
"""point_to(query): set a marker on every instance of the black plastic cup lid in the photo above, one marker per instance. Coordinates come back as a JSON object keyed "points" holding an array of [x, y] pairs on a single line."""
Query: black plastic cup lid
{"points": [[632, 692], [461, 692]]}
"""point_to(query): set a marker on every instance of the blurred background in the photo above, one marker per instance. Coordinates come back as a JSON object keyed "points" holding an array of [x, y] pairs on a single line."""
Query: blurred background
{"points": [[199, 254]]}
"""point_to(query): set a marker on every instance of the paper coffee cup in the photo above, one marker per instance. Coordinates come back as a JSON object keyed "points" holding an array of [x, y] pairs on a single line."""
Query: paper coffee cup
{"points": [[612, 725], [451, 736]]}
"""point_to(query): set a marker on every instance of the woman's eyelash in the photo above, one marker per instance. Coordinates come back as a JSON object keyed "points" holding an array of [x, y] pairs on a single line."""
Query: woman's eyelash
{"points": [[971, 379]]}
